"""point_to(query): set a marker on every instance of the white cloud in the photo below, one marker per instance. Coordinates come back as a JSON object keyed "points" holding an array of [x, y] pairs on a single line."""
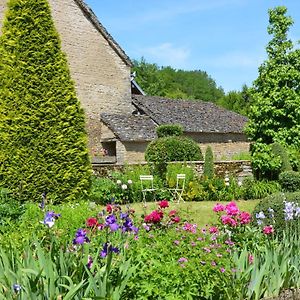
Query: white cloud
{"points": [[236, 60], [166, 54]]}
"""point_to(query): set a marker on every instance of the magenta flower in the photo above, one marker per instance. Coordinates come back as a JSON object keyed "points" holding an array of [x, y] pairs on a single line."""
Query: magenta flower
{"points": [[250, 259], [245, 217], [222, 270], [218, 207], [268, 230], [232, 209], [213, 229]]}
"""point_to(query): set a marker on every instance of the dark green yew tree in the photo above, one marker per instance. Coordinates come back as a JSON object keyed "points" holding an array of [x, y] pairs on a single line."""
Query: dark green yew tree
{"points": [[42, 127], [275, 115]]}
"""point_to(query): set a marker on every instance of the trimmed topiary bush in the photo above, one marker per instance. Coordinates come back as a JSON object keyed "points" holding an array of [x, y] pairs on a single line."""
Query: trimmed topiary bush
{"points": [[169, 130], [42, 128], [290, 181], [208, 168], [163, 150]]}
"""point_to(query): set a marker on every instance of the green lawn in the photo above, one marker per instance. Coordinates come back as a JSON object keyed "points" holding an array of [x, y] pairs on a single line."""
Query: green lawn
{"points": [[197, 212]]}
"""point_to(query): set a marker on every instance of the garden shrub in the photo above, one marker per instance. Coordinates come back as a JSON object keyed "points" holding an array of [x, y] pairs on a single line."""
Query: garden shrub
{"points": [[208, 168], [169, 130], [167, 149], [276, 213], [265, 164], [10, 209], [294, 157], [42, 127], [102, 190], [257, 189], [290, 181], [279, 150]]}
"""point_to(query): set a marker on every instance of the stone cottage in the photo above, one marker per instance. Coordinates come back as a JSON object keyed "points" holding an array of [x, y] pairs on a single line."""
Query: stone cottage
{"points": [[102, 74]]}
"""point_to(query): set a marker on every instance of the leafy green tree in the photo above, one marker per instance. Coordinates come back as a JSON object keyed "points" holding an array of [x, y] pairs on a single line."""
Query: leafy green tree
{"points": [[275, 115], [176, 84], [42, 127]]}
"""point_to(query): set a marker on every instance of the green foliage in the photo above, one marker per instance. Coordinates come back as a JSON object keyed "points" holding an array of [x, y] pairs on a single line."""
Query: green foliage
{"points": [[277, 218], [102, 191], [238, 101], [167, 149], [274, 116], [279, 150], [169, 130], [241, 156], [265, 164], [290, 181], [10, 209], [208, 168], [176, 84], [258, 189], [42, 127]]}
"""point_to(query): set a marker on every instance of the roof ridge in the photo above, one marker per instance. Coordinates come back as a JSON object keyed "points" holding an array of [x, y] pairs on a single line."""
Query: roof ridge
{"points": [[98, 25]]}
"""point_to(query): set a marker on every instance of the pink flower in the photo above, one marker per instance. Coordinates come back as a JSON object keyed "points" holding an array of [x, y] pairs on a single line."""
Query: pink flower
{"points": [[232, 209], [176, 242], [245, 217], [213, 229], [222, 270], [250, 259], [218, 207], [163, 204], [190, 227], [213, 263], [268, 229], [227, 220], [182, 259]]}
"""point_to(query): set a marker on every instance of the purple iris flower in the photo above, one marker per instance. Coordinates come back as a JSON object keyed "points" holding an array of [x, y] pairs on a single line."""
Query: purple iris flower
{"points": [[80, 237], [288, 210], [111, 219], [90, 262], [50, 218], [114, 227], [17, 288], [108, 248], [128, 226], [123, 215]]}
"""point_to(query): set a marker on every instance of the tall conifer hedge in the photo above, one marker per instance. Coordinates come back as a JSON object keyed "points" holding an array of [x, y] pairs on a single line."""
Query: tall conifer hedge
{"points": [[43, 144]]}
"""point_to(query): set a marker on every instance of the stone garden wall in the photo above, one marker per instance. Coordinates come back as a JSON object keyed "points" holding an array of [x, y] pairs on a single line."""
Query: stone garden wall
{"points": [[237, 168]]}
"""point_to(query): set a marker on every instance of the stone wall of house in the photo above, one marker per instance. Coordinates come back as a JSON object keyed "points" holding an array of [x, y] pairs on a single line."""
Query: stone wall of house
{"points": [[227, 150], [135, 151], [236, 168], [101, 77]]}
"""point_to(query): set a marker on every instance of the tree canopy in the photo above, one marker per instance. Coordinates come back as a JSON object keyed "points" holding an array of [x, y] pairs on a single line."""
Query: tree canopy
{"points": [[176, 84], [275, 113]]}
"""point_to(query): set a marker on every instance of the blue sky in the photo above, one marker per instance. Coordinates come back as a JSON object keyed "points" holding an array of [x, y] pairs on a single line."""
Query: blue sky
{"points": [[225, 38]]}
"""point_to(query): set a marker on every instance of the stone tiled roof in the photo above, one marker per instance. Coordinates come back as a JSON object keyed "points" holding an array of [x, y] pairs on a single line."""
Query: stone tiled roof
{"points": [[94, 20], [129, 127], [194, 116]]}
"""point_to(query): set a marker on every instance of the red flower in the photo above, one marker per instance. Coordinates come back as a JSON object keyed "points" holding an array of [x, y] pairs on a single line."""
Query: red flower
{"points": [[176, 219], [109, 208], [163, 204], [154, 217], [91, 222], [172, 213]]}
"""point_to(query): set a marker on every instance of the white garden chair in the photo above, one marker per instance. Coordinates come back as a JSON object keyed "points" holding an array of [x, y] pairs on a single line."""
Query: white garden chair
{"points": [[179, 189], [147, 185]]}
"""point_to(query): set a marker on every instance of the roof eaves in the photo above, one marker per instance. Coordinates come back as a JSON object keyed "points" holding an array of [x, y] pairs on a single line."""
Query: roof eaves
{"points": [[94, 20]]}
